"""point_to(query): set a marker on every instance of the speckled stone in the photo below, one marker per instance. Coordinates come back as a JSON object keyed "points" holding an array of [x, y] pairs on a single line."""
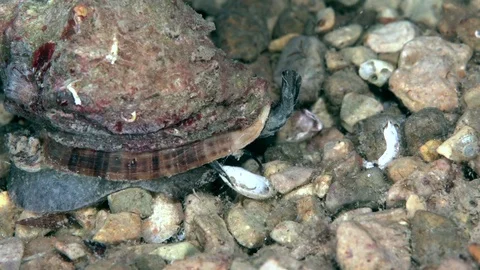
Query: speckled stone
{"points": [[119, 228], [357, 107], [391, 37], [435, 237], [134, 200]]}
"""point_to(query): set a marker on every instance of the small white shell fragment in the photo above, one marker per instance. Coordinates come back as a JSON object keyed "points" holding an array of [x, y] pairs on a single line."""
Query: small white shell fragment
{"points": [[392, 141], [375, 71], [76, 98], [462, 146], [112, 56], [248, 184]]}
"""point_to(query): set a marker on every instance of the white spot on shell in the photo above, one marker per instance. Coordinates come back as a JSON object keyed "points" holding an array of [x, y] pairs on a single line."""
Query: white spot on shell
{"points": [[248, 184], [112, 56], [131, 119], [76, 98]]}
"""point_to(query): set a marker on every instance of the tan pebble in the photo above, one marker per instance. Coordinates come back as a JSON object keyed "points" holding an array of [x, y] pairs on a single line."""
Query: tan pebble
{"points": [[306, 190], [86, 217], [118, 228], [428, 151], [413, 204], [335, 61], [325, 20], [474, 250], [5, 116], [322, 184], [275, 166], [165, 220], [400, 168], [278, 44], [472, 97]]}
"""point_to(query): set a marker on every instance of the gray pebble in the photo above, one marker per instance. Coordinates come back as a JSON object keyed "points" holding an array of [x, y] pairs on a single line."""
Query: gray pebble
{"points": [[295, 19], [367, 188], [425, 125], [435, 237], [344, 36], [341, 83], [304, 55], [11, 252], [134, 200]]}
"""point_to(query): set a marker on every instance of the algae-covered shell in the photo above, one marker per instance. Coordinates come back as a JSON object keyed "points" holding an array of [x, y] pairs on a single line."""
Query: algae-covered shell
{"points": [[128, 90]]}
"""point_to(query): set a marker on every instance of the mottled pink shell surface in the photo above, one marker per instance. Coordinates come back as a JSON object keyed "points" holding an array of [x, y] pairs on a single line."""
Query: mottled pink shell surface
{"points": [[123, 88], [125, 75]]}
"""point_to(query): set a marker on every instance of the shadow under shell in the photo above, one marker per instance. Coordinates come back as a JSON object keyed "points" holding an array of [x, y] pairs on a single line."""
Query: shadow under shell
{"points": [[51, 191]]}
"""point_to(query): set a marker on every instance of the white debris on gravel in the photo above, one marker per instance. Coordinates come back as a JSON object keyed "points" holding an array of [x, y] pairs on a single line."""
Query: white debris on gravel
{"points": [[248, 184], [392, 140]]}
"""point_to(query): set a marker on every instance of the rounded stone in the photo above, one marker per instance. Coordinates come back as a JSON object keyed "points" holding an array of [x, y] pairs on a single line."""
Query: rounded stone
{"points": [[376, 72], [344, 36], [391, 37], [356, 107]]}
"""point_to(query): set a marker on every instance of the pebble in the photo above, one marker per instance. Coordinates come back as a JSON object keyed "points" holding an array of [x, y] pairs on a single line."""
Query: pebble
{"points": [[290, 178], [413, 204], [312, 5], [401, 168], [117, 228], [426, 74], [165, 220], [278, 44], [304, 55], [293, 19], [435, 237], [289, 233], [242, 34], [11, 253], [5, 116], [358, 55], [471, 97], [340, 158], [366, 189], [201, 261], [470, 118], [204, 227], [344, 36], [282, 210], [376, 72], [463, 145], [390, 37], [320, 110], [300, 126], [275, 166], [423, 126], [341, 83], [133, 200], [424, 180], [468, 30], [310, 210], [379, 5], [325, 20], [427, 12], [326, 136], [335, 61], [247, 224], [175, 251], [357, 107], [373, 245], [73, 251], [428, 151], [348, 3], [8, 214], [86, 217]]}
